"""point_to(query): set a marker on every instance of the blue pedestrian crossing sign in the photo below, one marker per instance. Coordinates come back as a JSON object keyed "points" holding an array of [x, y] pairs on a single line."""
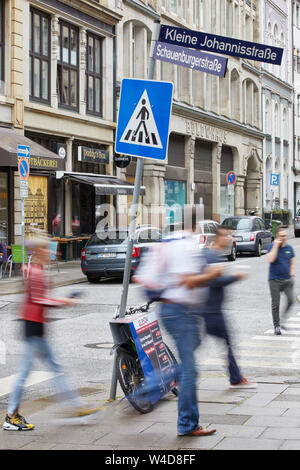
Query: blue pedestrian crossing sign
{"points": [[144, 118]]}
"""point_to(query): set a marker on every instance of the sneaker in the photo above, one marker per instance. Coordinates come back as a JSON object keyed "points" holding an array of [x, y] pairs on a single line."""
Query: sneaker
{"points": [[277, 330], [244, 383], [17, 423]]}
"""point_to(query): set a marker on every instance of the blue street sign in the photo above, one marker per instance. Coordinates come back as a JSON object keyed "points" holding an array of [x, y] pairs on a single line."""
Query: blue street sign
{"points": [[24, 168], [274, 179], [23, 151], [144, 118], [221, 44], [231, 177]]}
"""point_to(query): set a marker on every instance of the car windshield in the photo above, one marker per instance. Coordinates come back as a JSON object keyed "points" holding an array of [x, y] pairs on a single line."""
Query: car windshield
{"points": [[237, 224], [109, 237]]}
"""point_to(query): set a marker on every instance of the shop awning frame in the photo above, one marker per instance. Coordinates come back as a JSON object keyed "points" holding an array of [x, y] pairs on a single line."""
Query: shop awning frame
{"points": [[40, 157], [103, 184]]}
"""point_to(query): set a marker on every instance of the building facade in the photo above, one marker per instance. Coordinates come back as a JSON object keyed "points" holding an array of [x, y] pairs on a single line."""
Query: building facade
{"points": [[277, 105], [296, 126], [57, 96], [216, 122]]}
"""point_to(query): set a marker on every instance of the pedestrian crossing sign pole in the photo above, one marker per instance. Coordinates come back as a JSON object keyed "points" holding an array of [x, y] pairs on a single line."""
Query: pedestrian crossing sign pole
{"points": [[144, 118]]}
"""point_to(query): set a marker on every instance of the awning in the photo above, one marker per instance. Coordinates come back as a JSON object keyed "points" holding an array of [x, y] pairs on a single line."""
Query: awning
{"points": [[103, 184], [40, 157]]}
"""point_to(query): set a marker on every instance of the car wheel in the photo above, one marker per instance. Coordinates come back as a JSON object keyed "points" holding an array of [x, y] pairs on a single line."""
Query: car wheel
{"points": [[297, 233], [93, 279], [258, 249], [232, 256]]}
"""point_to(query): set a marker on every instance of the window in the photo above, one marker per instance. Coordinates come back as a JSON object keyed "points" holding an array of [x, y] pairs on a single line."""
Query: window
{"points": [[68, 66], [1, 45], [195, 12], [202, 14], [298, 105], [174, 6], [94, 74], [39, 51]]}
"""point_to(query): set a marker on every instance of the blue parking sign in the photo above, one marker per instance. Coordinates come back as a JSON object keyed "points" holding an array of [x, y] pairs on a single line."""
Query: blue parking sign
{"points": [[274, 179], [144, 118]]}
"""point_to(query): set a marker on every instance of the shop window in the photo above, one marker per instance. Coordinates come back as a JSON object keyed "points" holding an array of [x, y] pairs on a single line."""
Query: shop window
{"points": [[36, 205], [68, 66], [94, 74], [40, 56], [1, 45], [3, 208]]}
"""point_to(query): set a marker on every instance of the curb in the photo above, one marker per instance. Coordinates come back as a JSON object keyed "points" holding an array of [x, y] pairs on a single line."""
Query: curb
{"points": [[59, 284]]}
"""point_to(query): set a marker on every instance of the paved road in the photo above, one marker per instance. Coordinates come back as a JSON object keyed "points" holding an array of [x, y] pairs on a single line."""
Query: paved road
{"points": [[82, 336]]}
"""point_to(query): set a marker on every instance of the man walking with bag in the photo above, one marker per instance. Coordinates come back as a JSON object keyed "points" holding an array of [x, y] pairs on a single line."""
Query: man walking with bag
{"points": [[281, 275]]}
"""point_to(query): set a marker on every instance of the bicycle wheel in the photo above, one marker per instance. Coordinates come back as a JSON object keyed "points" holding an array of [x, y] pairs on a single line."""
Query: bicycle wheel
{"points": [[131, 378], [173, 362]]}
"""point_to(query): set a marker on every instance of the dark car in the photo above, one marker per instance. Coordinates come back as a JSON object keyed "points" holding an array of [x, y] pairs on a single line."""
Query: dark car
{"points": [[251, 233], [104, 254]]}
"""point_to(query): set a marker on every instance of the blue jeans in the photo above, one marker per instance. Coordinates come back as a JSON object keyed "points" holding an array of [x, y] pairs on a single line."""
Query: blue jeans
{"points": [[183, 326], [39, 346], [216, 326]]}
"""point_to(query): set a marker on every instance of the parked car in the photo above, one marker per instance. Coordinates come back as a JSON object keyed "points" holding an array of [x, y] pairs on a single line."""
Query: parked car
{"points": [[206, 232], [297, 224], [104, 254], [251, 233]]}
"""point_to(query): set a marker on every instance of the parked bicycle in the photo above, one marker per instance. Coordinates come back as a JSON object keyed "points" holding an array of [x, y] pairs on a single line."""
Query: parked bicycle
{"points": [[129, 369]]}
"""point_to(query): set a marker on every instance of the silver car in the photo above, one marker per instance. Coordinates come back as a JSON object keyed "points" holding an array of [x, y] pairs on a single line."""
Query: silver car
{"points": [[251, 233], [206, 231]]}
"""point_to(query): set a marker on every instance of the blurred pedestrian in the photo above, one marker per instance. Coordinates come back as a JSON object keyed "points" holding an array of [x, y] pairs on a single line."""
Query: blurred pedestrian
{"points": [[33, 312], [179, 317], [214, 319], [281, 275]]}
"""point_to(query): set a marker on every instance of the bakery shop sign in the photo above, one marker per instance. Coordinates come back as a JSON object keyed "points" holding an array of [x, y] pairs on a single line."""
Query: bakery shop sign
{"points": [[45, 163], [90, 155]]}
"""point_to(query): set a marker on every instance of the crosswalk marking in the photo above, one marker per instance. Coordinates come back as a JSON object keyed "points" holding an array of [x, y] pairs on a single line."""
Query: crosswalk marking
{"points": [[35, 377], [267, 351]]}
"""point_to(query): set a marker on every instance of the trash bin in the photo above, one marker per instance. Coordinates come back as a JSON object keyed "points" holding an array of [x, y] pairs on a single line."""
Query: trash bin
{"points": [[275, 225]]}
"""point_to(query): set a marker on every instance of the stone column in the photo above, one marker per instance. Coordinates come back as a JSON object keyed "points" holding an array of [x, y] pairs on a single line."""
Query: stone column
{"points": [[68, 189], [239, 196], [154, 199], [216, 181], [54, 57], [189, 165], [82, 70], [17, 62]]}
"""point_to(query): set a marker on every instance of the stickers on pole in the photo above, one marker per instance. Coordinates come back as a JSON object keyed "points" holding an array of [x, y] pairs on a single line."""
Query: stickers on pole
{"points": [[144, 118]]}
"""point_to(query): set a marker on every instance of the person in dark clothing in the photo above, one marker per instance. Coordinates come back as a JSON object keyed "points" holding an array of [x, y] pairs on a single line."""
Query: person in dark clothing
{"points": [[212, 309], [281, 275]]}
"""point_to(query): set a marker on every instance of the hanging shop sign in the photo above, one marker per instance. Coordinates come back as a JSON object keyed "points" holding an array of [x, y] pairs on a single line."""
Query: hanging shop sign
{"points": [[91, 155]]}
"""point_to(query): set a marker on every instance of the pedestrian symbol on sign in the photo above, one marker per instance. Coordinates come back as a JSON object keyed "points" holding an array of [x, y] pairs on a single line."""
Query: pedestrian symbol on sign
{"points": [[141, 128]]}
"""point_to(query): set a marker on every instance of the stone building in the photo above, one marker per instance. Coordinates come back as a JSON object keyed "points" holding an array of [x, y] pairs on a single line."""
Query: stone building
{"points": [[277, 105], [216, 122], [296, 72], [57, 96]]}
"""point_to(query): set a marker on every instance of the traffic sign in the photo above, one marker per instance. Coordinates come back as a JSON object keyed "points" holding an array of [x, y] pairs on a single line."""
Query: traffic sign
{"points": [[23, 189], [231, 177], [24, 168], [274, 179], [121, 161], [23, 151], [144, 118]]}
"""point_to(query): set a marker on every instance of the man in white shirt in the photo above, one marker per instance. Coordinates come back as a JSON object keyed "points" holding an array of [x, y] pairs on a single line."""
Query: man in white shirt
{"points": [[179, 317]]}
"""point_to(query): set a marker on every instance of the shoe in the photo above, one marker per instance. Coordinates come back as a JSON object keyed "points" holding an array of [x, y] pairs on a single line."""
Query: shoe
{"points": [[17, 423], [199, 432], [277, 330], [244, 383]]}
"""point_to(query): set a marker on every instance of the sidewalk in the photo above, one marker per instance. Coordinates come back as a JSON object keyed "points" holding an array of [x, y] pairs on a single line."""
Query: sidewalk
{"points": [[266, 418], [69, 273]]}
